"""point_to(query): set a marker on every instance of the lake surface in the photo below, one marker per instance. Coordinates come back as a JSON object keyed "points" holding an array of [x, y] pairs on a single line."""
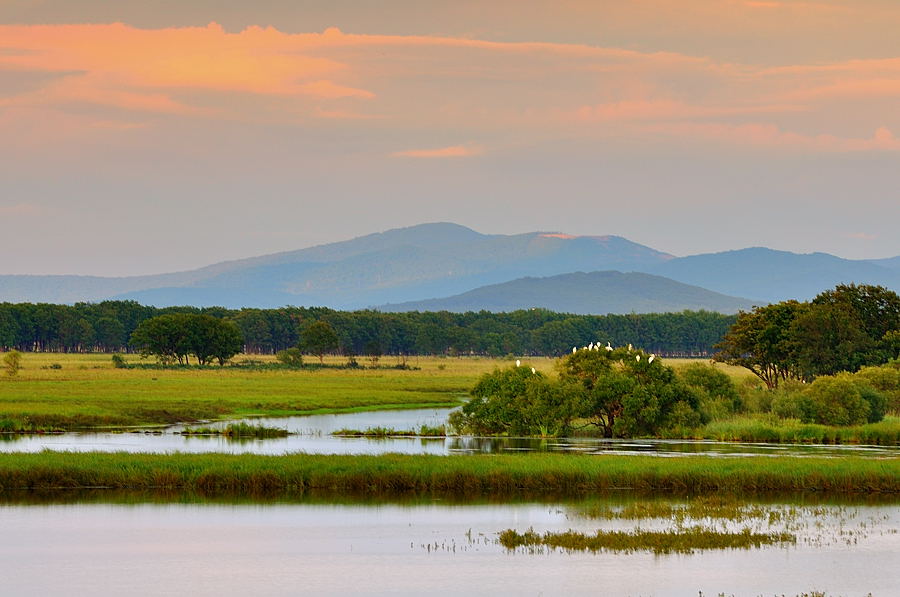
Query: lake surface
{"points": [[313, 436], [430, 548]]}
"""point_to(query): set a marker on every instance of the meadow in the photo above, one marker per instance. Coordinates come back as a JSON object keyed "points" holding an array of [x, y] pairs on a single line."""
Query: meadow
{"points": [[71, 391]]}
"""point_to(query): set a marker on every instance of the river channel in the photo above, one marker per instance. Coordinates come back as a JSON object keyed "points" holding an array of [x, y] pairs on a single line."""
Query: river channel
{"points": [[313, 435]]}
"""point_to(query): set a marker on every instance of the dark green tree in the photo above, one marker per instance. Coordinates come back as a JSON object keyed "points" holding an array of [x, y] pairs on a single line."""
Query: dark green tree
{"points": [[318, 339], [763, 341]]}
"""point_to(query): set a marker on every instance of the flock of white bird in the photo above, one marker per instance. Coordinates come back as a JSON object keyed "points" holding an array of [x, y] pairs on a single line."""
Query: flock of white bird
{"points": [[596, 346]]}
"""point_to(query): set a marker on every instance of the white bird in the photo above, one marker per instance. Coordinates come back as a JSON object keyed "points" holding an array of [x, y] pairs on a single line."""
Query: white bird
{"points": [[629, 347], [591, 346], [637, 357], [574, 349], [652, 356], [533, 371], [518, 363], [608, 347]]}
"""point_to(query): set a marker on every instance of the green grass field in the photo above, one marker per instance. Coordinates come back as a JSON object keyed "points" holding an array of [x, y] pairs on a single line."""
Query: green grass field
{"points": [[86, 390]]}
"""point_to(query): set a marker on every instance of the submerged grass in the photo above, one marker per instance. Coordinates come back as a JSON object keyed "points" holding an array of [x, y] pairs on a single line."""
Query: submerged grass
{"points": [[658, 542], [495, 475]]}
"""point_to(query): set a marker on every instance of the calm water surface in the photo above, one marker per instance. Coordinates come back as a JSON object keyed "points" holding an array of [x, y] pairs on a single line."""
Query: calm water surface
{"points": [[437, 549], [313, 436]]}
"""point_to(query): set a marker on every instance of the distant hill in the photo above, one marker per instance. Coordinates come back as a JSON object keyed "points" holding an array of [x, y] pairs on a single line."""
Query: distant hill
{"points": [[403, 264], [772, 276], [597, 293], [890, 262], [444, 259]]}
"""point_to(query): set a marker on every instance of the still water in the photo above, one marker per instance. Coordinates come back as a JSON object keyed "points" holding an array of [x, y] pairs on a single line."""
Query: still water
{"points": [[420, 549], [312, 435]]}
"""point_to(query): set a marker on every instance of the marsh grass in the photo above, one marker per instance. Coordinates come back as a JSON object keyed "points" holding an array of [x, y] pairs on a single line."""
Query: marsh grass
{"points": [[239, 430], [770, 429], [658, 542], [385, 432], [472, 475]]}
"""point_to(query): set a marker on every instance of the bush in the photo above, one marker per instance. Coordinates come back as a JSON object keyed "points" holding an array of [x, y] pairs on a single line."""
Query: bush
{"points": [[292, 357], [836, 400], [886, 380], [787, 404], [118, 361], [12, 362], [715, 384]]}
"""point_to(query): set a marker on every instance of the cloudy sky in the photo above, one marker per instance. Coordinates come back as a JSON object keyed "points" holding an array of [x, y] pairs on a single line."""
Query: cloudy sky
{"points": [[142, 137]]}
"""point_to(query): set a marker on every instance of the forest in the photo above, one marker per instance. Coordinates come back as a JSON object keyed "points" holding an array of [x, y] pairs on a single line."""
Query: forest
{"points": [[107, 326]]}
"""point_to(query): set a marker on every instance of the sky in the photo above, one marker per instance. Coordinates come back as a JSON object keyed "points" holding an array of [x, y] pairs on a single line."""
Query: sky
{"points": [[162, 135]]}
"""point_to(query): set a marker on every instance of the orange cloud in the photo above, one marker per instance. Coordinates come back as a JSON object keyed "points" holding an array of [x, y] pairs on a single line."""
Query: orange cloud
{"points": [[473, 85], [454, 151]]}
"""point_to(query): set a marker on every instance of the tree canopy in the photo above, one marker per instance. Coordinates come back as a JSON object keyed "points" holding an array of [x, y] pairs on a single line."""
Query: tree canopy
{"points": [[174, 337], [842, 329], [623, 392]]}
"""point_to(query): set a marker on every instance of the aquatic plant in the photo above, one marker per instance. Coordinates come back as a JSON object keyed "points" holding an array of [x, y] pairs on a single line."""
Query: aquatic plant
{"points": [[657, 542]]}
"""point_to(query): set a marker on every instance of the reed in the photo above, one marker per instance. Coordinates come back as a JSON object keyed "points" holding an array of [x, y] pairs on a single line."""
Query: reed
{"points": [[493, 475]]}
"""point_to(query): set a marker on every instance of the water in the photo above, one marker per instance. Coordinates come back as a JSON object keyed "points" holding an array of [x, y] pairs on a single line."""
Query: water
{"points": [[432, 548], [313, 436]]}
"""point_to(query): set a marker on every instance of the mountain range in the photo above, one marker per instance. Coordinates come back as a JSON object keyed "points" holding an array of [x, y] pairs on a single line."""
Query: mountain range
{"points": [[429, 261]]}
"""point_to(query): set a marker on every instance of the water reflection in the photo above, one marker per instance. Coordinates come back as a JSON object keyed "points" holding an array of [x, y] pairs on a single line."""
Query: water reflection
{"points": [[430, 548], [312, 435]]}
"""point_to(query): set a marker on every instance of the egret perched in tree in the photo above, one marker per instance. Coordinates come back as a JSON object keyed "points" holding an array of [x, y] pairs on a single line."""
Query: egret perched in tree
{"points": [[533, 370], [609, 347], [629, 347], [574, 349], [518, 363], [637, 358], [591, 346], [652, 356]]}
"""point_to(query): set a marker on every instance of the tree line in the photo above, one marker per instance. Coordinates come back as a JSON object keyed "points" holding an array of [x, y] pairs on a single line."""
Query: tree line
{"points": [[108, 326]]}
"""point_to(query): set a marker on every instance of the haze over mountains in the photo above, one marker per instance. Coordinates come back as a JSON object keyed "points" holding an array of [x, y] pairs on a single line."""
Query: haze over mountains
{"points": [[433, 261]]}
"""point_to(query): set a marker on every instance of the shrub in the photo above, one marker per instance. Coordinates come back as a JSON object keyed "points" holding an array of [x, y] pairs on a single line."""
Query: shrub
{"points": [[12, 362], [715, 384], [788, 404], [118, 361], [836, 400], [292, 357], [886, 380]]}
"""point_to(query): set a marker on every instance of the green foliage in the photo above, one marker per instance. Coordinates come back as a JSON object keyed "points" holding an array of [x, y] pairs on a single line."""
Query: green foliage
{"points": [[12, 362], [118, 361], [106, 326], [319, 338], [761, 341], [515, 401], [292, 357], [173, 337], [836, 400], [842, 329], [717, 394], [623, 392], [886, 380]]}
